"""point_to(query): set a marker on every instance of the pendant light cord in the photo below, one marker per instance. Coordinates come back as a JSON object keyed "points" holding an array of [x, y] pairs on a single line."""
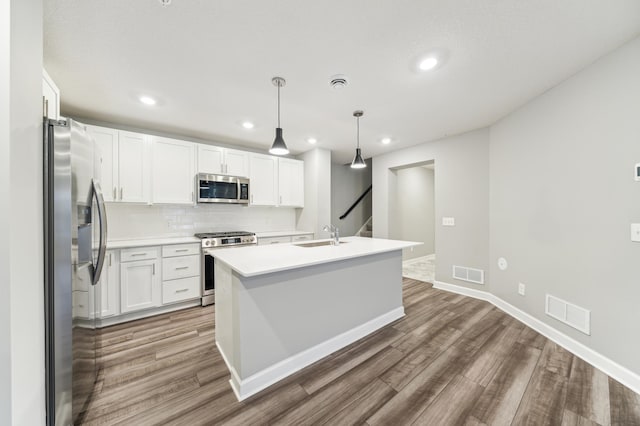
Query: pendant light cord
{"points": [[278, 104], [358, 131]]}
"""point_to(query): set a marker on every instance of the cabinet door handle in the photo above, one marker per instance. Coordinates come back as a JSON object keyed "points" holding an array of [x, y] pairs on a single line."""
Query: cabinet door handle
{"points": [[115, 193], [121, 190], [182, 290], [192, 200], [181, 267], [251, 198], [110, 254], [281, 199], [154, 268], [46, 107]]}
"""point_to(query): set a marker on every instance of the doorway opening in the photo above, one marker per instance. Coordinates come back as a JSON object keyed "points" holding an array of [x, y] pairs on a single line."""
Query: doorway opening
{"points": [[413, 218]]}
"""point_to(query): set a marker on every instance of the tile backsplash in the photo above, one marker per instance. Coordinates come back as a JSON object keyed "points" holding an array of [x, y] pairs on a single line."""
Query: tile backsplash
{"points": [[133, 221]]}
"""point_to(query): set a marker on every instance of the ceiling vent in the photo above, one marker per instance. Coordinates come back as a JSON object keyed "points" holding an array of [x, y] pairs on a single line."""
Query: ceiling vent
{"points": [[338, 81], [165, 3]]}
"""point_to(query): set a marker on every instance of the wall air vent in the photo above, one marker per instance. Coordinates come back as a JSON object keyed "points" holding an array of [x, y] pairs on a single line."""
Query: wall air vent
{"points": [[570, 314], [468, 274]]}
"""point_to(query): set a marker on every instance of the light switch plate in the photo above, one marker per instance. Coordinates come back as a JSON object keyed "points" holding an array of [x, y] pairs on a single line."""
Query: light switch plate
{"points": [[448, 221], [635, 232]]}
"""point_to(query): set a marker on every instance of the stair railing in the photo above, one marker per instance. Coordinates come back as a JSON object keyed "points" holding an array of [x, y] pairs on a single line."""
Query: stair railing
{"points": [[353, 206]]}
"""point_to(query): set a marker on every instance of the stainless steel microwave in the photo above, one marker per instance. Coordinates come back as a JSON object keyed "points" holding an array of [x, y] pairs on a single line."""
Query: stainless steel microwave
{"points": [[222, 189]]}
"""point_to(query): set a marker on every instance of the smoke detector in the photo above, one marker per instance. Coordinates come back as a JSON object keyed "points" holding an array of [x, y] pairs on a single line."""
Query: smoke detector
{"points": [[338, 81]]}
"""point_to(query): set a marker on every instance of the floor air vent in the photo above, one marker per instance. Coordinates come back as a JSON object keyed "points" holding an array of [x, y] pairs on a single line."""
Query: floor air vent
{"points": [[468, 274], [570, 314]]}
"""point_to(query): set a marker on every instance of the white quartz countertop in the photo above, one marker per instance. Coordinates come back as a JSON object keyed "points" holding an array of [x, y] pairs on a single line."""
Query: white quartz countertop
{"points": [[281, 233], [256, 260], [146, 242]]}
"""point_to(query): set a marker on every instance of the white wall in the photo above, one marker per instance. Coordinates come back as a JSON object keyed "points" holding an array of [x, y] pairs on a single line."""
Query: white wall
{"points": [[317, 192], [347, 185], [5, 225], [133, 221], [562, 200], [415, 189], [22, 396], [461, 191]]}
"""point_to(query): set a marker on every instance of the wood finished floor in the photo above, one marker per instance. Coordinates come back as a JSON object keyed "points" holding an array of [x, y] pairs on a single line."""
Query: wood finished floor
{"points": [[451, 360]]}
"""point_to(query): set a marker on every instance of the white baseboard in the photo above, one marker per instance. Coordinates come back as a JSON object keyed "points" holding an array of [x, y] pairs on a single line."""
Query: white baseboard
{"points": [[244, 388], [599, 361], [234, 374], [131, 316]]}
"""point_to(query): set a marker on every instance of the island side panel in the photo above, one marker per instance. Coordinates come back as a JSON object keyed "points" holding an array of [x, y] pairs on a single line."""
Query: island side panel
{"points": [[285, 313], [224, 316]]}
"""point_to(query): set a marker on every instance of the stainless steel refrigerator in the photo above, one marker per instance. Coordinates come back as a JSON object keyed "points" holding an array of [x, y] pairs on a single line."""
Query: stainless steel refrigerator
{"points": [[75, 243]]}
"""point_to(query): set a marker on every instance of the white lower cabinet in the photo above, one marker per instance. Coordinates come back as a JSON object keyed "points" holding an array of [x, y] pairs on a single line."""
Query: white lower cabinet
{"points": [[180, 274], [284, 239], [180, 289], [140, 283], [305, 237], [109, 287]]}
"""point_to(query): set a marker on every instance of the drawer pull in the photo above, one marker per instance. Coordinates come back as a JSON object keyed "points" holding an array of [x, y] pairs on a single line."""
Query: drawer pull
{"points": [[181, 267], [182, 290], [275, 242], [181, 250], [138, 254]]}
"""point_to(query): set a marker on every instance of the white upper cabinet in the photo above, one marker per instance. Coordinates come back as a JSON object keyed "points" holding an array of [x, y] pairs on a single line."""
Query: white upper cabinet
{"points": [[210, 159], [290, 182], [133, 167], [137, 168], [173, 175], [107, 144], [236, 162], [50, 97], [222, 161], [264, 180]]}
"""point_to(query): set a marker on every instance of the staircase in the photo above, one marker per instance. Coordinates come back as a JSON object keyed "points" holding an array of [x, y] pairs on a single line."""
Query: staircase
{"points": [[367, 229]]}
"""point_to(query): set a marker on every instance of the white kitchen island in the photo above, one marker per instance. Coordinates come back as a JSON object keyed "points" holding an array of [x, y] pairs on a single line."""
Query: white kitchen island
{"points": [[280, 308]]}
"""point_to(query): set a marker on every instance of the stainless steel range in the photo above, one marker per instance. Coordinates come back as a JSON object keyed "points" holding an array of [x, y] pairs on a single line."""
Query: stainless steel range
{"points": [[218, 240]]}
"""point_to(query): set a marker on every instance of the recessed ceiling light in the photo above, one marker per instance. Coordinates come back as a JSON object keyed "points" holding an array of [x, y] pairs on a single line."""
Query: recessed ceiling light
{"points": [[248, 125], [386, 141], [312, 141], [428, 64], [147, 100]]}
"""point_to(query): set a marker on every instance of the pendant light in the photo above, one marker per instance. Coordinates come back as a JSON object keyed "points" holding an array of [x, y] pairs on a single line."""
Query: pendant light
{"points": [[358, 162], [278, 147]]}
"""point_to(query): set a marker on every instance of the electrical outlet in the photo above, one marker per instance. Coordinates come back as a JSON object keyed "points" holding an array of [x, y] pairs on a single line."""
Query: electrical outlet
{"points": [[521, 289], [635, 232], [448, 221]]}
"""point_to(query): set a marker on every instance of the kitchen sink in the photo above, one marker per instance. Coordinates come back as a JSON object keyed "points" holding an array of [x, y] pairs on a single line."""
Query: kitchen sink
{"points": [[318, 244]]}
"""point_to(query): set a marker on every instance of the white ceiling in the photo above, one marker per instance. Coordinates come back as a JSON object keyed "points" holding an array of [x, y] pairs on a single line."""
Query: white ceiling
{"points": [[210, 64]]}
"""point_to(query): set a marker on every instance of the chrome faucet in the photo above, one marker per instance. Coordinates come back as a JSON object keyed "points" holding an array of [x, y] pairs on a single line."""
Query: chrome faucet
{"points": [[335, 234]]}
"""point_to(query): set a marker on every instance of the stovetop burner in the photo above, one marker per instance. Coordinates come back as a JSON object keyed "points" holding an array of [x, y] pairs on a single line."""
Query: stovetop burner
{"points": [[223, 234]]}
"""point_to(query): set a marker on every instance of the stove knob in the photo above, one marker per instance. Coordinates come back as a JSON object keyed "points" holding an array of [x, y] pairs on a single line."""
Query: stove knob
{"points": [[207, 243]]}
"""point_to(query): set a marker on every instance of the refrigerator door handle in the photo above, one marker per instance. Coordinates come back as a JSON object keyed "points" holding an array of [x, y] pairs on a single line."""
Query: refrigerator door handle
{"points": [[102, 216]]}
